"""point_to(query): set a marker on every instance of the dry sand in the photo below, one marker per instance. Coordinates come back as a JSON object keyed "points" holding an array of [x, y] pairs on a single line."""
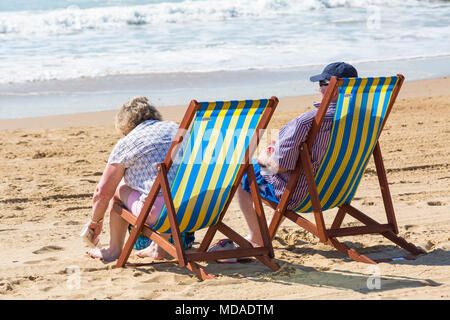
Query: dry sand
{"points": [[50, 169]]}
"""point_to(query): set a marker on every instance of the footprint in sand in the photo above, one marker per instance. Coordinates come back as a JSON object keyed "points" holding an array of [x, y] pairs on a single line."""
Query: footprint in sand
{"points": [[409, 226], [5, 286], [429, 245], [47, 249], [51, 259], [151, 296]]}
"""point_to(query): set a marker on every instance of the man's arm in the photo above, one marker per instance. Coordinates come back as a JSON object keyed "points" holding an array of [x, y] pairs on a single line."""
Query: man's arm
{"points": [[285, 153]]}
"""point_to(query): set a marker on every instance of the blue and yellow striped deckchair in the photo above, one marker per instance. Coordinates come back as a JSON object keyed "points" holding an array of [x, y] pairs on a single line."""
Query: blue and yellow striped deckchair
{"points": [[362, 107], [216, 151]]}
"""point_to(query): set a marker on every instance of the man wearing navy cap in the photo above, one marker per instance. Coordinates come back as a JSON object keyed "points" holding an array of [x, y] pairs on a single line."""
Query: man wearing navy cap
{"points": [[274, 166], [337, 69]]}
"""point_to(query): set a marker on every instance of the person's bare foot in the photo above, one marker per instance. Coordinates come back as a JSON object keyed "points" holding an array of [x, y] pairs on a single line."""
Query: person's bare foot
{"points": [[105, 254], [153, 251]]}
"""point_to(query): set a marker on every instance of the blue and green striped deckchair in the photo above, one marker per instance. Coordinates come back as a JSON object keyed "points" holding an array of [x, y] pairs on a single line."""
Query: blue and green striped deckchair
{"points": [[362, 107], [217, 140]]}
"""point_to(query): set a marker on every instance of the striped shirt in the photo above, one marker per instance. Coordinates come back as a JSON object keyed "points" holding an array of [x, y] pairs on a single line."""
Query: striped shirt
{"points": [[141, 150], [286, 151]]}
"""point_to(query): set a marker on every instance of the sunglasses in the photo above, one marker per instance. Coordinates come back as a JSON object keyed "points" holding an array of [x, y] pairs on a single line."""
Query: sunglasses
{"points": [[323, 83]]}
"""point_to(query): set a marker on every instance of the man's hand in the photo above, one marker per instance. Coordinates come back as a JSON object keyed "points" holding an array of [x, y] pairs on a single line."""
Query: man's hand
{"points": [[264, 157], [265, 160]]}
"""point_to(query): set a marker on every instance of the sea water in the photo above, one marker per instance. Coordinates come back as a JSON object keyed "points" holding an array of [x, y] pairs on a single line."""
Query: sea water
{"points": [[68, 56]]}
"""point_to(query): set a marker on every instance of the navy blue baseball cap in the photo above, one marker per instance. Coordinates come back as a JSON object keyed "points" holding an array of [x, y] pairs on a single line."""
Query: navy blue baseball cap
{"points": [[336, 69]]}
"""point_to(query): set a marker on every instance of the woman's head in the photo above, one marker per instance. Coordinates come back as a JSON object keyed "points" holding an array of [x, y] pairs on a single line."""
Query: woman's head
{"points": [[133, 113]]}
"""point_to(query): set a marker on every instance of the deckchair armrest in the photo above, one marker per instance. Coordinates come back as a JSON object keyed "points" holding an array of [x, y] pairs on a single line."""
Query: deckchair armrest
{"points": [[184, 125], [324, 104]]}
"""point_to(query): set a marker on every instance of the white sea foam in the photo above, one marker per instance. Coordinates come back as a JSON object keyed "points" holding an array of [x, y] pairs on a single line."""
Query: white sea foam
{"points": [[72, 19], [94, 38]]}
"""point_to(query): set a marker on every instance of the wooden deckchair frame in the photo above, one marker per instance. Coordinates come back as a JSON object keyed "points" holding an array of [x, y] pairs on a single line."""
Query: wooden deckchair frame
{"points": [[176, 250], [388, 230]]}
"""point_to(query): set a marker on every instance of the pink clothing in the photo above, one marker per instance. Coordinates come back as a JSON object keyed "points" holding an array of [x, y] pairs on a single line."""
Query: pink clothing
{"points": [[135, 206]]}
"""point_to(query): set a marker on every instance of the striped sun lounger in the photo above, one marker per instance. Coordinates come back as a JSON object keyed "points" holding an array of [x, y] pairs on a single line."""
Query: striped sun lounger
{"points": [[362, 108], [212, 149]]}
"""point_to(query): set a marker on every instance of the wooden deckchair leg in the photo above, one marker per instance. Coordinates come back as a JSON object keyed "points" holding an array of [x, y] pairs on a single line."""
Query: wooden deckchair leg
{"points": [[126, 251], [209, 236], [259, 210], [402, 243], [337, 222], [358, 215], [384, 186], [351, 253], [314, 196], [137, 228], [243, 243], [172, 251], [199, 272], [176, 234], [275, 223]]}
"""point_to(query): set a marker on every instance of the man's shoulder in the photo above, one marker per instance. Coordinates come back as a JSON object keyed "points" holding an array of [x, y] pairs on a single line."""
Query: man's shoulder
{"points": [[309, 115], [305, 117]]}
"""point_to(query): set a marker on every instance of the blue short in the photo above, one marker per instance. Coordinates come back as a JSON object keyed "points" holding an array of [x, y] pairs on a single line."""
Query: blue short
{"points": [[266, 190], [143, 242]]}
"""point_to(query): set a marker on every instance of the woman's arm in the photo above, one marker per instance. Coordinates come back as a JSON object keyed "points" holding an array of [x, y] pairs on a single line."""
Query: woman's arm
{"points": [[103, 193]]}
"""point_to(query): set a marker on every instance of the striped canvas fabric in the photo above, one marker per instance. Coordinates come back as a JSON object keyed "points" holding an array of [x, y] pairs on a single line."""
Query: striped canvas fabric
{"points": [[360, 111], [213, 153]]}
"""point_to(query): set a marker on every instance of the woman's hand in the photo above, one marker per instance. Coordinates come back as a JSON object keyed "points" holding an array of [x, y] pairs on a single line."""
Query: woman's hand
{"points": [[96, 228], [103, 193]]}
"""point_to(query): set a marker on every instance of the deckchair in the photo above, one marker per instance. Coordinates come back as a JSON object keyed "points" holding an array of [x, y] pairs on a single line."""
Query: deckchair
{"points": [[362, 109], [216, 154]]}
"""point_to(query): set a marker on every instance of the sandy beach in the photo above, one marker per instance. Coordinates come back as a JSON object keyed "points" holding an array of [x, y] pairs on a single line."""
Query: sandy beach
{"points": [[51, 165]]}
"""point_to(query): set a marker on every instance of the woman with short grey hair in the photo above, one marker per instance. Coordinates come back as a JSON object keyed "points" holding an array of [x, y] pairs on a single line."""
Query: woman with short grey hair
{"points": [[134, 112], [130, 173]]}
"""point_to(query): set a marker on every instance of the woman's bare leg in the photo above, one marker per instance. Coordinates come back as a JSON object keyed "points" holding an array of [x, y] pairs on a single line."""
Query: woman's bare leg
{"points": [[153, 251], [118, 228]]}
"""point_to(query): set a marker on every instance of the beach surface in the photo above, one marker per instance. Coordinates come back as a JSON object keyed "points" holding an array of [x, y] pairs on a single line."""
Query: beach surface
{"points": [[51, 165]]}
